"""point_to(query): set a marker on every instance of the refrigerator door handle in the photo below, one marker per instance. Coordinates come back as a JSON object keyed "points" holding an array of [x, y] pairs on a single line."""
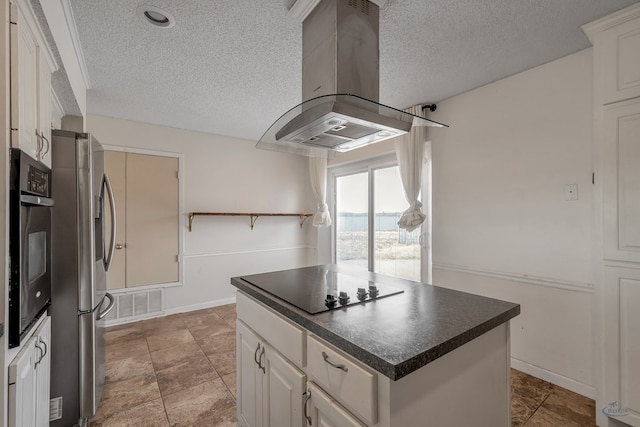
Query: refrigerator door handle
{"points": [[106, 311], [112, 240]]}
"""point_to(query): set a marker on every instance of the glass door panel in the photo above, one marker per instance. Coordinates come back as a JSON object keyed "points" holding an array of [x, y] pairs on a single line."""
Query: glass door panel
{"points": [[396, 251], [352, 220]]}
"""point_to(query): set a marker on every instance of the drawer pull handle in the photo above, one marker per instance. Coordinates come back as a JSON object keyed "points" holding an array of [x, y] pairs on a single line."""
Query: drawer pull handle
{"points": [[309, 420], [325, 356]]}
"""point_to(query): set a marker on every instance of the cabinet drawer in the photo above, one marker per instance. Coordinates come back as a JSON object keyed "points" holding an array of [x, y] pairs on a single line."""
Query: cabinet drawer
{"points": [[280, 333], [343, 378]]}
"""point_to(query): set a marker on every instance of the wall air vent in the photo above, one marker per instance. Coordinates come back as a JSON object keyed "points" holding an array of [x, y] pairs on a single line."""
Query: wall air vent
{"points": [[133, 305]]}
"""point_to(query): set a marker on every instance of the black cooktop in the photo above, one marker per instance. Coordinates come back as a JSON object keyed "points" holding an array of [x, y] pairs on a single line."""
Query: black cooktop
{"points": [[317, 289]]}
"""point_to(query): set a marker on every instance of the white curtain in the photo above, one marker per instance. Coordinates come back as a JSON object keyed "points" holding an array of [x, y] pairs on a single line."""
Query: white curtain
{"points": [[410, 154], [318, 175]]}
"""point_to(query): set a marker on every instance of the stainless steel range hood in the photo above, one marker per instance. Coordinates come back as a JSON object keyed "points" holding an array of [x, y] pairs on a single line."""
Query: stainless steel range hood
{"points": [[340, 86]]}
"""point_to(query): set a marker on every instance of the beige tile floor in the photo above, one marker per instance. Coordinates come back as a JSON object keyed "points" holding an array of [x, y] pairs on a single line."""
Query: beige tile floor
{"points": [[179, 370]]}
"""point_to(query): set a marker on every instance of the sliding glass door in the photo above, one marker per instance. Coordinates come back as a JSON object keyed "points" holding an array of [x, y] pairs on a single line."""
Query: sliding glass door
{"points": [[368, 202], [352, 220], [396, 252]]}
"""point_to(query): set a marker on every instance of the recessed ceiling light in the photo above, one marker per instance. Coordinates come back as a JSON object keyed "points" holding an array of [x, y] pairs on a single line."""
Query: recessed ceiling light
{"points": [[156, 16]]}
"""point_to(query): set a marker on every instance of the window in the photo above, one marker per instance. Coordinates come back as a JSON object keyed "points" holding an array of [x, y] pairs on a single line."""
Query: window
{"points": [[368, 200]]}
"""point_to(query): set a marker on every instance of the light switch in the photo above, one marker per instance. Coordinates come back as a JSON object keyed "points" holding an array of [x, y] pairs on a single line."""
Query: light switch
{"points": [[570, 192]]}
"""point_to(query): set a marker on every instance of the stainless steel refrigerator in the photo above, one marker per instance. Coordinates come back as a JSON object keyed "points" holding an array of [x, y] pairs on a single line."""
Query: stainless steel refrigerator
{"points": [[81, 255]]}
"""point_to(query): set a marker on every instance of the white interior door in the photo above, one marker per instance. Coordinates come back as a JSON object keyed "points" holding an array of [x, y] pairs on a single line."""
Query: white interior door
{"points": [[145, 189], [152, 219]]}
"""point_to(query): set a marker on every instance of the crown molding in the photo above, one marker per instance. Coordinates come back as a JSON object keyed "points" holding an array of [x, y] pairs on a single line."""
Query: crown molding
{"points": [[75, 38], [616, 18]]}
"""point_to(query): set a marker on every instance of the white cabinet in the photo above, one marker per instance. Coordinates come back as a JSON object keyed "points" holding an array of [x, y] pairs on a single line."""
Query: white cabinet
{"points": [[22, 387], [31, 68], [344, 379], [621, 180], [249, 378], [270, 388], [325, 412], [29, 378], [344, 392], [621, 343], [619, 58], [616, 53], [43, 372]]}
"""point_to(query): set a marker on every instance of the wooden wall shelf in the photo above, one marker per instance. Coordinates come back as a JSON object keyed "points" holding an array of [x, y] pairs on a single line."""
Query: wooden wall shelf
{"points": [[253, 216]]}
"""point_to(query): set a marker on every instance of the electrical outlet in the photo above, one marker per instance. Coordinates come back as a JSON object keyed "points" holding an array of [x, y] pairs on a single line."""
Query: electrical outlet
{"points": [[570, 192]]}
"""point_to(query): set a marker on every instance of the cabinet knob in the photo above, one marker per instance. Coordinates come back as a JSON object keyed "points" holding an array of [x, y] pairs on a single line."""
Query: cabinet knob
{"points": [[120, 246]]}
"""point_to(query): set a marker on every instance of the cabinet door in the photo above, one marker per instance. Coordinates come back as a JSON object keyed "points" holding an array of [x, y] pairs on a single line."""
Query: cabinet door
{"points": [[326, 412], [44, 110], [621, 181], [248, 377], [620, 61], [283, 390], [43, 372], [621, 346], [22, 387], [24, 84]]}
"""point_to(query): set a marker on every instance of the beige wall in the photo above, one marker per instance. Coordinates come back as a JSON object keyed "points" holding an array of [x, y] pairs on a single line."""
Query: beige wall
{"points": [[222, 174], [501, 226]]}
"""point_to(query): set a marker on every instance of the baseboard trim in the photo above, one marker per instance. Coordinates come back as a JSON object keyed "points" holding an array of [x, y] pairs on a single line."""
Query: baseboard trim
{"points": [[170, 311], [200, 306], [554, 378], [521, 278]]}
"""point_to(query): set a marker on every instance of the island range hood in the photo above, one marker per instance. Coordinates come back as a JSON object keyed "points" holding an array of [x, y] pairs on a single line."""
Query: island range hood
{"points": [[340, 86]]}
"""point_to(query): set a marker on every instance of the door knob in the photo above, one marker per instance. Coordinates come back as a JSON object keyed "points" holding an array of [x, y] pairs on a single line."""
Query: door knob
{"points": [[120, 246]]}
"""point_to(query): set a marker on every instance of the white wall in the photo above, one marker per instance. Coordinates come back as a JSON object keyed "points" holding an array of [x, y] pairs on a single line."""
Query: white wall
{"points": [[501, 226], [223, 174]]}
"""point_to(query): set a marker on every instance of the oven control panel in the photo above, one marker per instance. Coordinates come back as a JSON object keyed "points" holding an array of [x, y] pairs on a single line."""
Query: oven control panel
{"points": [[37, 181]]}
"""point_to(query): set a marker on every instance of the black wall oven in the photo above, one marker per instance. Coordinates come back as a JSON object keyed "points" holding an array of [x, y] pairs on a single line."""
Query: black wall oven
{"points": [[29, 243]]}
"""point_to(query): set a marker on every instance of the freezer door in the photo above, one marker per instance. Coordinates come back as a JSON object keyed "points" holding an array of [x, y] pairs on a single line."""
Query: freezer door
{"points": [[92, 359]]}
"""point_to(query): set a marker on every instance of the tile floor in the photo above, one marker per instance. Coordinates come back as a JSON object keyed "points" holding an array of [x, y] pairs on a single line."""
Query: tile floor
{"points": [[179, 370]]}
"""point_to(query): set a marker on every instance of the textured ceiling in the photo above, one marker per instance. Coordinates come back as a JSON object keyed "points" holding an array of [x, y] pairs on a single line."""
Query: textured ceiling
{"points": [[232, 67]]}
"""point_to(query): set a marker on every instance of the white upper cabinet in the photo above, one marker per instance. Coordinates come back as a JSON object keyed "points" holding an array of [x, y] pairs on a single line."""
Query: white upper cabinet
{"points": [[616, 40], [31, 68], [621, 180], [616, 53]]}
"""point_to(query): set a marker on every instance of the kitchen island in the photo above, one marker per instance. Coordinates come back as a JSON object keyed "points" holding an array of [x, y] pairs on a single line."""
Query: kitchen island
{"points": [[425, 356]]}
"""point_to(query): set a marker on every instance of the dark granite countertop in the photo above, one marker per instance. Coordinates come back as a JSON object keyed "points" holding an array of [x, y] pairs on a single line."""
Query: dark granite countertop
{"points": [[401, 333]]}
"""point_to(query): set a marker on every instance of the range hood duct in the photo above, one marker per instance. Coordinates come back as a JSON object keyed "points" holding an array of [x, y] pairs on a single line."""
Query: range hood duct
{"points": [[340, 86]]}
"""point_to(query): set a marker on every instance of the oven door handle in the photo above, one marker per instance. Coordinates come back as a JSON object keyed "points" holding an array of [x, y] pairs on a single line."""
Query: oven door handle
{"points": [[112, 206], [30, 200]]}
